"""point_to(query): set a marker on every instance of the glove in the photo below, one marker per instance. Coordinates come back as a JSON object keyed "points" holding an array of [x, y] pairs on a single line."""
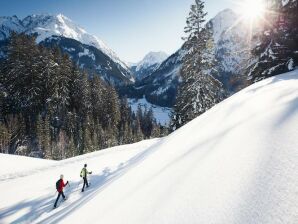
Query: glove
{"points": [[90, 172]]}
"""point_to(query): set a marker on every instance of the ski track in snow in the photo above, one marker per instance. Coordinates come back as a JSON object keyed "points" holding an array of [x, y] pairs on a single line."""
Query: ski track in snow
{"points": [[236, 163], [37, 207]]}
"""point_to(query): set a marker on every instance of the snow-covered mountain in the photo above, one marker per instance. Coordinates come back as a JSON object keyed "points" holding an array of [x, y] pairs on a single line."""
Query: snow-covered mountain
{"points": [[148, 64], [236, 163], [161, 86], [9, 24], [231, 47], [49, 28]]}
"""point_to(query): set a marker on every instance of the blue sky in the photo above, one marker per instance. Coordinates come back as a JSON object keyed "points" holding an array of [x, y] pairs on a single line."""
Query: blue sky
{"points": [[131, 28]]}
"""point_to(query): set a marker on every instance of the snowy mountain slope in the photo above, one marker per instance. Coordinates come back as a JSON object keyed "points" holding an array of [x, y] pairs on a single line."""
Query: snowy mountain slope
{"points": [[237, 163], [9, 24], [48, 27], [151, 58], [59, 25], [161, 86], [232, 40], [148, 64], [231, 48], [19, 166], [92, 60]]}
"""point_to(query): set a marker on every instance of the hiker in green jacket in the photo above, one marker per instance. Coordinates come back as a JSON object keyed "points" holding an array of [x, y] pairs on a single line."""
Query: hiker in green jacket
{"points": [[84, 173]]}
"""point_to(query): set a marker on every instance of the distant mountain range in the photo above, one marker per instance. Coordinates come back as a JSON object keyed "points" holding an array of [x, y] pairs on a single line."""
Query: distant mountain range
{"points": [[157, 76], [148, 64], [87, 50], [232, 44]]}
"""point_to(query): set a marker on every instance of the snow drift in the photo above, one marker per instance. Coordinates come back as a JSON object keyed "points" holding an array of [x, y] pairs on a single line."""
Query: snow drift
{"points": [[237, 163]]}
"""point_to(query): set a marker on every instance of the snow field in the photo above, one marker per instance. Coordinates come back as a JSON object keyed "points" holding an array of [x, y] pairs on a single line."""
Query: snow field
{"points": [[237, 163]]}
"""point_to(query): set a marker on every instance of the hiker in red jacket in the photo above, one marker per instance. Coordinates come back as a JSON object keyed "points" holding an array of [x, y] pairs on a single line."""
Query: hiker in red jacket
{"points": [[59, 186]]}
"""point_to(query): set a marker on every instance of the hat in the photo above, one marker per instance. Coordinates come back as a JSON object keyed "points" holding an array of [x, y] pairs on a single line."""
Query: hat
{"points": [[61, 176], [85, 165]]}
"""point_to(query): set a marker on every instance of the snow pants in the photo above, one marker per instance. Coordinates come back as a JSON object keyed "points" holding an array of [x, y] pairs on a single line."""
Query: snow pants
{"points": [[85, 183], [59, 194]]}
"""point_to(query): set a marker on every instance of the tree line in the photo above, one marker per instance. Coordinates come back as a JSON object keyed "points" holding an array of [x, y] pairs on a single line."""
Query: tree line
{"points": [[49, 108]]}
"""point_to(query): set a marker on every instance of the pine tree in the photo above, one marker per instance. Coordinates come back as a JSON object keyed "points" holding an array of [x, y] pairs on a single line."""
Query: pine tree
{"points": [[199, 90], [148, 123], [136, 127], [43, 136], [5, 137], [125, 124], [277, 50], [111, 108]]}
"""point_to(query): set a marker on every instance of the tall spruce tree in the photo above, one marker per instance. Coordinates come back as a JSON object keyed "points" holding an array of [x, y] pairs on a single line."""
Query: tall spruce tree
{"points": [[277, 50], [199, 90]]}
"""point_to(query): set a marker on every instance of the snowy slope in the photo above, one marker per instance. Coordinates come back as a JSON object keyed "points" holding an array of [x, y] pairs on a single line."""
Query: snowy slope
{"points": [[237, 163]]}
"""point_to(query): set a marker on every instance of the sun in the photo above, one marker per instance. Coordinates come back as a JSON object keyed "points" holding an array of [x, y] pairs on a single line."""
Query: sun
{"points": [[252, 10]]}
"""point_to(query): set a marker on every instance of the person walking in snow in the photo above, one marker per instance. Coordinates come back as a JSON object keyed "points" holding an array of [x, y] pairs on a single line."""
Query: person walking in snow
{"points": [[59, 186], [83, 174]]}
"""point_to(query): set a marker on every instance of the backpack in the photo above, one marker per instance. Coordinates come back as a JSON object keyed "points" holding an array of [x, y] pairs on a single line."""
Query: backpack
{"points": [[58, 184], [82, 172]]}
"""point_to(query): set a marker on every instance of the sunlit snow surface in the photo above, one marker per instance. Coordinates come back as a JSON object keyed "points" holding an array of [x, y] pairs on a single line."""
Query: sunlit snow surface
{"points": [[237, 163]]}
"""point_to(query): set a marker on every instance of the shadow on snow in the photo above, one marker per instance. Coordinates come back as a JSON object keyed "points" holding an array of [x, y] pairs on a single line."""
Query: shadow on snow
{"points": [[34, 209]]}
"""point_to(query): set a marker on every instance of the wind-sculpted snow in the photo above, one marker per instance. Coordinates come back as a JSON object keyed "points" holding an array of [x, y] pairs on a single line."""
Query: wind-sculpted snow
{"points": [[236, 163]]}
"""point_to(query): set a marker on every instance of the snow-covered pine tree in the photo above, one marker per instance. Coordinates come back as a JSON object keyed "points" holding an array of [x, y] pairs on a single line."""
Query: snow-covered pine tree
{"points": [[289, 25], [199, 90], [277, 51], [3, 96], [23, 66], [4, 138], [43, 136], [136, 130], [48, 104], [124, 125]]}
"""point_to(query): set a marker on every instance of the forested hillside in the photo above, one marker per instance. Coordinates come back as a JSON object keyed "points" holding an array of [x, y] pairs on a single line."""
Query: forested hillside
{"points": [[52, 109]]}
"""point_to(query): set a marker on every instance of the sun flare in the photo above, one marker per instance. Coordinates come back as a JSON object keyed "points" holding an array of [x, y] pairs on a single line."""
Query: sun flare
{"points": [[252, 10]]}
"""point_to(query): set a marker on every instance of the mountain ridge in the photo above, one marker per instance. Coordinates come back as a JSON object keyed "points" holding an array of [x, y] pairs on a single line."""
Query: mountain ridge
{"points": [[150, 62], [230, 36], [47, 26]]}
